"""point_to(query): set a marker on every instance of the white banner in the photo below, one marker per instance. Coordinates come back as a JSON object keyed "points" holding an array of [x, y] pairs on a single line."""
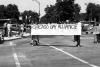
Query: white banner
{"points": [[56, 29]]}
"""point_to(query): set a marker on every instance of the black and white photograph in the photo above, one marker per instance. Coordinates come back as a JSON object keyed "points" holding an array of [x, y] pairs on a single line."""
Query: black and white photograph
{"points": [[49, 33]]}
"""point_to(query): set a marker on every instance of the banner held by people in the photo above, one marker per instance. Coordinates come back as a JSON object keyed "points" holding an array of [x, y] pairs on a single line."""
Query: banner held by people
{"points": [[56, 29]]}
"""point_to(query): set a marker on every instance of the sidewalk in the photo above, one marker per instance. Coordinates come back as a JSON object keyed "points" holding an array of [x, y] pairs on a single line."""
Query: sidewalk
{"points": [[16, 37]]}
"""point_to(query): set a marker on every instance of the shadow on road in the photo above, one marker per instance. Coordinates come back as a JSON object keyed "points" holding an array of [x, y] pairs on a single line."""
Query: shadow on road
{"points": [[59, 45], [47, 36]]}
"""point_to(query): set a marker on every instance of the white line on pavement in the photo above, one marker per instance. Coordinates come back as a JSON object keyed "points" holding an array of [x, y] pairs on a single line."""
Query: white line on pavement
{"points": [[11, 44], [67, 53], [16, 60], [83, 61], [15, 55]]}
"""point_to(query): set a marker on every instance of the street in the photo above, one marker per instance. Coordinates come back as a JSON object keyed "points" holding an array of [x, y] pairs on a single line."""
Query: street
{"points": [[54, 51], [68, 30]]}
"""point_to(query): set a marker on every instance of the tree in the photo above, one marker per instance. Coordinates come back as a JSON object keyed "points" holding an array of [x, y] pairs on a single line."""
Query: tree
{"points": [[58, 0], [93, 11], [82, 16], [29, 16], [12, 11], [65, 9], [62, 10], [2, 12], [77, 9], [9, 11], [50, 14]]}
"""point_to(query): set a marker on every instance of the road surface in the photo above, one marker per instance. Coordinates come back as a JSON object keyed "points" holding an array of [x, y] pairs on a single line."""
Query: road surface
{"points": [[54, 51]]}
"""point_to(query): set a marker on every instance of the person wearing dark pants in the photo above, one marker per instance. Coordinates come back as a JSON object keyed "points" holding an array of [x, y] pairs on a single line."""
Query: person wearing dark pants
{"points": [[77, 39], [35, 38]]}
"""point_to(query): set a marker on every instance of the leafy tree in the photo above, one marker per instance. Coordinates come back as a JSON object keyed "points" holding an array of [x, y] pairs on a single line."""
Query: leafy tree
{"points": [[65, 9], [58, 0], [93, 11], [29, 16], [77, 9], [2, 11], [12, 11], [62, 10], [82, 16], [50, 14]]}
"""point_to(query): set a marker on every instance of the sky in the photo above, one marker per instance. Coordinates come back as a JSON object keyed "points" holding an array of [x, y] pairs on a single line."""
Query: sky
{"points": [[32, 5]]}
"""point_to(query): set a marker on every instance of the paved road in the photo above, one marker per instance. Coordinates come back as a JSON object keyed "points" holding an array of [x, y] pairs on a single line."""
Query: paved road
{"points": [[54, 51]]}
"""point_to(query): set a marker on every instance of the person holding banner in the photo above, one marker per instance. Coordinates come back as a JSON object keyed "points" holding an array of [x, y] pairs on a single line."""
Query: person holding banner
{"points": [[35, 38], [77, 38]]}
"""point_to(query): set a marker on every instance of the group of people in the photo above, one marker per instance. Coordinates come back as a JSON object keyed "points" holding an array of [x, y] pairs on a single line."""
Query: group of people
{"points": [[96, 33], [76, 38], [8, 29]]}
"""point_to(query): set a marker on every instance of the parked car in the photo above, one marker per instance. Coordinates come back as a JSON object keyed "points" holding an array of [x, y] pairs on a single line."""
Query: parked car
{"points": [[15, 29], [87, 27], [1, 35]]}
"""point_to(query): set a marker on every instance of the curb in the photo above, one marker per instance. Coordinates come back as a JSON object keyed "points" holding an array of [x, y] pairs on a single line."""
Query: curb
{"points": [[17, 38], [12, 39]]}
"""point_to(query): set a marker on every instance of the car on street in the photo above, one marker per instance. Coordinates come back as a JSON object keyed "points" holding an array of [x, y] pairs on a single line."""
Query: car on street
{"points": [[15, 29]]}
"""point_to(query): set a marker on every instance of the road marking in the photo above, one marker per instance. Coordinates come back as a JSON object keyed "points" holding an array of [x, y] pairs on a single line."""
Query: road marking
{"points": [[67, 53], [25, 59], [16, 60], [15, 55], [11, 44], [83, 61]]}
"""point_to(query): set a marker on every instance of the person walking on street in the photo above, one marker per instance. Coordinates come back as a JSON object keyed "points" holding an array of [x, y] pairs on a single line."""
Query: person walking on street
{"points": [[96, 33], [9, 29], [22, 30], [5, 29]]}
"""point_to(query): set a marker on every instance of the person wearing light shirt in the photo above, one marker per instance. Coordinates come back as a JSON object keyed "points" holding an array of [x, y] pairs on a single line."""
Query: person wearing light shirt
{"points": [[9, 29]]}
